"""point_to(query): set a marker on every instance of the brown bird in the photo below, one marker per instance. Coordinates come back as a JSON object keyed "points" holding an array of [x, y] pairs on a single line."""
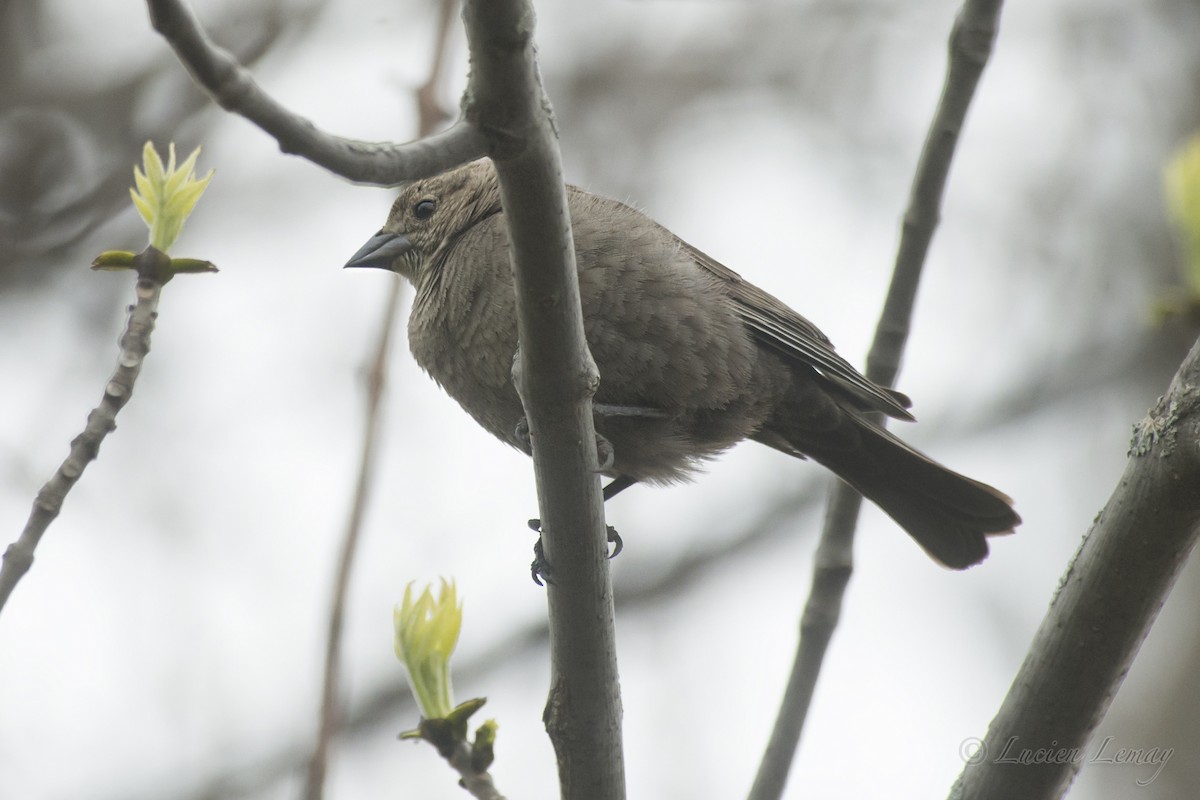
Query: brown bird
{"points": [[692, 357]]}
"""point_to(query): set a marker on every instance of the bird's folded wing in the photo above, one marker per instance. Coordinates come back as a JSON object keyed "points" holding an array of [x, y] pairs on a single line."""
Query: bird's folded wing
{"points": [[794, 337]]}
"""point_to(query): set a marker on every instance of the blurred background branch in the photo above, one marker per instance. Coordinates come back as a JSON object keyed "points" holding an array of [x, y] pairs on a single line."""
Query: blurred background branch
{"points": [[971, 39], [64, 145], [430, 114]]}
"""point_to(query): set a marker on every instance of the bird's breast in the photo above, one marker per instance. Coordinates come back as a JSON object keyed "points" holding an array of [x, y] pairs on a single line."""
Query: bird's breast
{"points": [[462, 332]]}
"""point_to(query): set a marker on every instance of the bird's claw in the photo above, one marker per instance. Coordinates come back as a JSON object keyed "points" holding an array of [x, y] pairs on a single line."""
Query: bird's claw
{"points": [[539, 570], [614, 539]]}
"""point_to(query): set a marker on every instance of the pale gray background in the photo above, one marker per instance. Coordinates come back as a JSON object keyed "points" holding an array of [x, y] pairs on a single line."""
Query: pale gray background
{"points": [[171, 631]]}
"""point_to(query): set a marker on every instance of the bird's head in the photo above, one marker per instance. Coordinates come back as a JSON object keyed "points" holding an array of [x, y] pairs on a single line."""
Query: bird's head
{"points": [[426, 218]]}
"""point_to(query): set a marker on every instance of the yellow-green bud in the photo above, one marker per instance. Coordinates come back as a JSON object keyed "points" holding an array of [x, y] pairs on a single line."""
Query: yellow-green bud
{"points": [[426, 633], [166, 195]]}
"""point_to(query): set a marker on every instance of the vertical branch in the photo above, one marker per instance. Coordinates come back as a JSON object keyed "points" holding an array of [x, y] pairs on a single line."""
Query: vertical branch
{"points": [[330, 712], [430, 114], [556, 380], [506, 115], [970, 47]]}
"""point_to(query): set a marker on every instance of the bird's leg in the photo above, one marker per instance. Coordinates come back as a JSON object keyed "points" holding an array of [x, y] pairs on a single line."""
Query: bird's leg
{"points": [[604, 448], [540, 568], [618, 485], [605, 455], [612, 410]]}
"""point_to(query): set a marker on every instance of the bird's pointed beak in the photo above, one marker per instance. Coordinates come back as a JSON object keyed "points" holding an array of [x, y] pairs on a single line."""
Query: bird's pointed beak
{"points": [[381, 251]]}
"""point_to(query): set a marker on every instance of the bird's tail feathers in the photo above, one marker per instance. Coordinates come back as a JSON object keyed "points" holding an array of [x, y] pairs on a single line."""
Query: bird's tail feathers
{"points": [[949, 515]]}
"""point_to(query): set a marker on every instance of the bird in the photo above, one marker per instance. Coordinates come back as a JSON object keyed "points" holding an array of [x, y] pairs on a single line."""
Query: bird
{"points": [[692, 357]]}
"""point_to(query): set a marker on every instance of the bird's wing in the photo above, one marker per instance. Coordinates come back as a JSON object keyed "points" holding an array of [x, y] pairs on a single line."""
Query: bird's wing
{"points": [[792, 336]]}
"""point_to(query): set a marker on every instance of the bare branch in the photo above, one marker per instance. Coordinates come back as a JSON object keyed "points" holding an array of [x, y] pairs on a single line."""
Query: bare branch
{"points": [[233, 87], [556, 379], [330, 715], [506, 115], [970, 46], [430, 114], [1106, 603]]}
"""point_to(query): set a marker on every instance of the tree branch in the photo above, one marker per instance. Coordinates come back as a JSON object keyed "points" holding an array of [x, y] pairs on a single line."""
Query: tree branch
{"points": [[970, 46], [135, 346], [1106, 603], [430, 114], [556, 378], [507, 115], [330, 717], [234, 89]]}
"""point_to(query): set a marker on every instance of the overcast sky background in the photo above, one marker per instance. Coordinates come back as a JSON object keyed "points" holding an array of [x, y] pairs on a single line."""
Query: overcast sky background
{"points": [[171, 631]]}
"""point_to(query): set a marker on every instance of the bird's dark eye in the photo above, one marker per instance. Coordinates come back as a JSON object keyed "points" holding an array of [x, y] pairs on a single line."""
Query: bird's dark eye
{"points": [[424, 209]]}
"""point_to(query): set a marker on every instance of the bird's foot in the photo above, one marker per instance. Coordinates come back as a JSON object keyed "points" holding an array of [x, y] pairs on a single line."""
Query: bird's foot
{"points": [[540, 568], [614, 539]]}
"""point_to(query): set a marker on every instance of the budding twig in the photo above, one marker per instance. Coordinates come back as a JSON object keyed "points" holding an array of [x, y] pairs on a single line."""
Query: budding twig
{"points": [[153, 267]]}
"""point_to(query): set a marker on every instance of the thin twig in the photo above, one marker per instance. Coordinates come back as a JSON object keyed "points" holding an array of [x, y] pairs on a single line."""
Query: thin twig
{"points": [[478, 783], [135, 345], [970, 46], [234, 88], [330, 716], [430, 114]]}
